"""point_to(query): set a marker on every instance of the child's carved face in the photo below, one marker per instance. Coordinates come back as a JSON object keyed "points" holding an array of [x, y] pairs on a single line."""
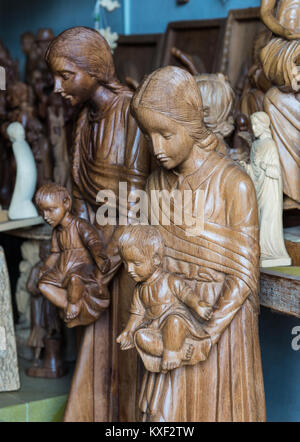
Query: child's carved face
{"points": [[140, 266], [171, 143], [54, 211]]}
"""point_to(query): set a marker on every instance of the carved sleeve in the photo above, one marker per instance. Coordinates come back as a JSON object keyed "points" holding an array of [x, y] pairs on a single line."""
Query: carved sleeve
{"points": [[137, 307], [242, 215], [91, 238]]}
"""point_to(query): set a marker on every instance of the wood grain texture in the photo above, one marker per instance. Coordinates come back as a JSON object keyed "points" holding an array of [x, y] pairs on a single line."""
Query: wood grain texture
{"points": [[280, 292], [9, 371]]}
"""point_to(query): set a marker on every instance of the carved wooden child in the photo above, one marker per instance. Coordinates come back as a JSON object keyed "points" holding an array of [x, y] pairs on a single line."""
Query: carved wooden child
{"points": [[69, 276], [164, 323]]}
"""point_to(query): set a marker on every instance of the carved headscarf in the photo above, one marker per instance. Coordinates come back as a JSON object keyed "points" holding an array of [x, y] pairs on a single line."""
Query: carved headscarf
{"points": [[86, 48], [173, 92]]}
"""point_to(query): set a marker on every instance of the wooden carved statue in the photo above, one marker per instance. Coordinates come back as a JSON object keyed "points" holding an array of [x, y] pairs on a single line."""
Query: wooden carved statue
{"points": [[19, 100], [280, 61], [218, 98], [265, 170], [30, 50], [252, 87], [108, 149], [41, 151], [58, 139], [161, 326], [221, 264], [68, 277], [46, 326], [282, 17]]}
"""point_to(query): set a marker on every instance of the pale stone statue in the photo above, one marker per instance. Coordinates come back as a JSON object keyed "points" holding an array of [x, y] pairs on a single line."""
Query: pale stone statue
{"points": [[265, 171], [21, 205]]}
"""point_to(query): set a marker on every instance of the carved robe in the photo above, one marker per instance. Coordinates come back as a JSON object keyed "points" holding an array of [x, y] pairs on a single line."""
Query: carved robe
{"points": [[221, 265], [108, 149]]}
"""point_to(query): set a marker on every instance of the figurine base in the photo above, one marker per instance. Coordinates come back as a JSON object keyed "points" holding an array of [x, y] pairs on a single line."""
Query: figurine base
{"points": [[45, 372], [276, 262]]}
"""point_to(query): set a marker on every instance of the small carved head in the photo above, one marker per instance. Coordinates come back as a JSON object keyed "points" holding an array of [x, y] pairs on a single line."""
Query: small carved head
{"points": [[260, 122], [54, 202], [16, 132], [142, 249]]}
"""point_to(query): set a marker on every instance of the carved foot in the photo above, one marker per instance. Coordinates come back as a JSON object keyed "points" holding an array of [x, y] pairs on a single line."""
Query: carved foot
{"points": [[72, 311]]}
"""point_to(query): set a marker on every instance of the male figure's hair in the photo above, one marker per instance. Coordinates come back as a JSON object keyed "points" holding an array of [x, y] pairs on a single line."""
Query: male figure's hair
{"points": [[54, 191], [143, 238]]}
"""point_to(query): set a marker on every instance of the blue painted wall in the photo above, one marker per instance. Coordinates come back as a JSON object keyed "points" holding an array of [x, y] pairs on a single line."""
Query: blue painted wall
{"points": [[18, 16], [150, 16], [281, 364]]}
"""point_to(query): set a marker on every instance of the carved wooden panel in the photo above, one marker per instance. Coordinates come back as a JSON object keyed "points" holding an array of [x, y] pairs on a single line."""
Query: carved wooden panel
{"points": [[137, 55], [241, 28], [201, 39]]}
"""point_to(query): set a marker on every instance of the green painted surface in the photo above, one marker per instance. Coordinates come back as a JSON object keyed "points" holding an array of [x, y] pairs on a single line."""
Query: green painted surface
{"points": [[291, 270], [38, 400]]}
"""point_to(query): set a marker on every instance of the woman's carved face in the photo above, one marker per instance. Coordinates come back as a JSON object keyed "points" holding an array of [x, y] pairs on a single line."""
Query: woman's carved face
{"points": [[171, 143], [71, 81]]}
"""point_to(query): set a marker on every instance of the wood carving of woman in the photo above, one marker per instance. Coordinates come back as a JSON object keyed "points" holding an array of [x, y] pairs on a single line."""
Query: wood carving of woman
{"points": [[221, 264], [107, 149]]}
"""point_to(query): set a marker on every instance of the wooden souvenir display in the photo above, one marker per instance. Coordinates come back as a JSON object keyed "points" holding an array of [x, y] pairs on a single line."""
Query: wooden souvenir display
{"points": [[168, 107], [137, 55], [201, 39]]}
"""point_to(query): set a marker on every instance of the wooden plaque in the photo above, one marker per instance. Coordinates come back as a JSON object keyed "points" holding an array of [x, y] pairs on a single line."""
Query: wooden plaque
{"points": [[137, 55], [241, 28], [201, 39]]}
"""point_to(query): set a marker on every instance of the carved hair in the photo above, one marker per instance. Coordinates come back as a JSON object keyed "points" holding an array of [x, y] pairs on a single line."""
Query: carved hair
{"points": [[86, 48], [51, 190], [173, 92], [218, 97], [263, 119], [145, 238]]}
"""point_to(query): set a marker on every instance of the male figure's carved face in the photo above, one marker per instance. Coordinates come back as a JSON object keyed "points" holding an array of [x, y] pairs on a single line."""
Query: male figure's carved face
{"points": [[72, 82], [171, 143]]}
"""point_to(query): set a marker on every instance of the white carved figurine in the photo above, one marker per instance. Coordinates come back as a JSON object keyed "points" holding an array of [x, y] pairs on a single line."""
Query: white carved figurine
{"points": [[265, 171], [21, 205]]}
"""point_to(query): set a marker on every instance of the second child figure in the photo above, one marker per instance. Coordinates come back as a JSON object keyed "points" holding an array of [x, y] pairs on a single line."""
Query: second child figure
{"points": [[69, 276], [166, 316]]}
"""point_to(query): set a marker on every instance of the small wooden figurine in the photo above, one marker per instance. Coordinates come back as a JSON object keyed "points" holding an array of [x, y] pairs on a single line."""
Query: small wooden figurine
{"points": [[161, 325], [21, 205], [265, 171], [242, 139], [69, 276], [46, 326]]}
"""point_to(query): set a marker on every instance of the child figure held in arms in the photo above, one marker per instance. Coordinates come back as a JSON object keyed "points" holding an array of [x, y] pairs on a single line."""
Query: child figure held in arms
{"points": [[69, 275], [165, 316]]}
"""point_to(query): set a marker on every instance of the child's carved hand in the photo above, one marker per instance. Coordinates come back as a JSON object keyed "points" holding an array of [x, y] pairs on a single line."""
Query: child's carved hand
{"points": [[204, 310], [126, 340], [42, 271]]}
